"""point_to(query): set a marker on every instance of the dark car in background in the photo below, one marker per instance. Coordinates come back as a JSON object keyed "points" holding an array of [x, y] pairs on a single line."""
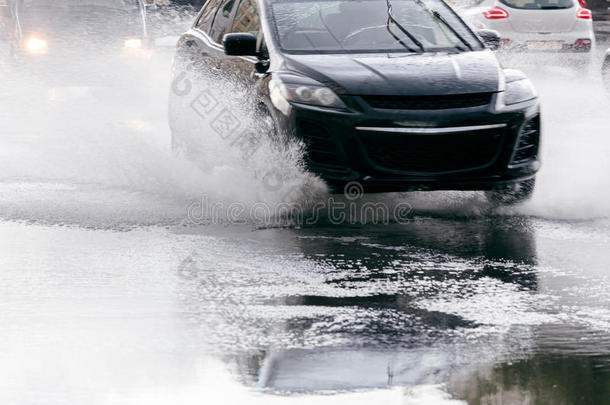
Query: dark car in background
{"points": [[77, 42], [397, 95], [49, 29]]}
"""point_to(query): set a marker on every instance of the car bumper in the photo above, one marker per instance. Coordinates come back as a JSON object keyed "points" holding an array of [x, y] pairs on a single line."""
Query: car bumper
{"points": [[397, 150], [532, 42], [579, 61], [560, 43]]}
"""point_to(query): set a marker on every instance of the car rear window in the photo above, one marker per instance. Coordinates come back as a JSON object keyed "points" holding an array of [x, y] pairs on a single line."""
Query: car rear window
{"points": [[539, 4]]}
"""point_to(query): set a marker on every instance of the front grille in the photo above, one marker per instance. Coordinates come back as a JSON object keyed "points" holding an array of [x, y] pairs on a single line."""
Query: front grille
{"points": [[321, 148], [527, 145], [441, 102], [433, 153]]}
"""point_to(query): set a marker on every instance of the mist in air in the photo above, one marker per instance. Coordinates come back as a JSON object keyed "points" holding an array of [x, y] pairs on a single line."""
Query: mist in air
{"points": [[86, 141]]}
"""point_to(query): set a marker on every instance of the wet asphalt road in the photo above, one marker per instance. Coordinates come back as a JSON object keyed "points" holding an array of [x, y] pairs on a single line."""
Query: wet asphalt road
{"points": [[488, 310], [108, 296]]}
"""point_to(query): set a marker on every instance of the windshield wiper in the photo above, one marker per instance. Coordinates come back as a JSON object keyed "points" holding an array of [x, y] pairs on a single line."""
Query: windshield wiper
{"points": [[403, 29], [440, 18], [400, 41]]}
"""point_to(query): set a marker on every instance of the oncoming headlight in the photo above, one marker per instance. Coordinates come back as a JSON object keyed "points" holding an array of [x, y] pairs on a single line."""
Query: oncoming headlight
{"points": [[518, 89], [37, 45], [281, 93], [133, 43]]}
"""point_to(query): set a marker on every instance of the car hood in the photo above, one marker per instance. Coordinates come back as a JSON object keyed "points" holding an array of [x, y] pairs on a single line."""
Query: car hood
{"points": [[410, 74]]}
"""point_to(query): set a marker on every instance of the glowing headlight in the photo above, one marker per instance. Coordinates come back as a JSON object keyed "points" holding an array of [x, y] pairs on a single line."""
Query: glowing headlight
{"points": [[133, 43], [518, 88], [318, 95], [36, 45]]}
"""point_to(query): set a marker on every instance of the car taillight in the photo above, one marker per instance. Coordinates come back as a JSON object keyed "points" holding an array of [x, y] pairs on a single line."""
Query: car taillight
{"points": [[583, 3], [582, 43], [584, 13], [495, 13]]}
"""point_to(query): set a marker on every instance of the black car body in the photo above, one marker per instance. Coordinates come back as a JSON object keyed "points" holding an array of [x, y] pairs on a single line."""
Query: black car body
{"points": [[397, 95]]}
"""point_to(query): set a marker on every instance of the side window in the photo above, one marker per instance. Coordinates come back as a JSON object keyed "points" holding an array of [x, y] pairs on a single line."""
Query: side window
{"points": [[247, 18], [220, 25], [207, 15]]}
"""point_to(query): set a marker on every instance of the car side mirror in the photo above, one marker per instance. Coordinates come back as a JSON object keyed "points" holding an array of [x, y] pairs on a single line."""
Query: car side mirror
{"points": [[491, 38], [240, 44]]}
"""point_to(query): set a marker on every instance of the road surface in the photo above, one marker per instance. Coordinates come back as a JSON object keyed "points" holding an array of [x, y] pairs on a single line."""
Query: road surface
{"points": [[117, 287]]}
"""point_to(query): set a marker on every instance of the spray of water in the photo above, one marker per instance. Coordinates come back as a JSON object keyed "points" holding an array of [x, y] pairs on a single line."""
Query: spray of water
{"points": [[93, 153]]}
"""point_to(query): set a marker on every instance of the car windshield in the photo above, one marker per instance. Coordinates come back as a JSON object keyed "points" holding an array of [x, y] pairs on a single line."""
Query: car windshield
{"points": [[80, 18], [364, 26], [539, 4]]}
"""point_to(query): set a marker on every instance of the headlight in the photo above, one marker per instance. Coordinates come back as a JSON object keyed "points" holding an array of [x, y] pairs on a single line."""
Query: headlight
{"points": [[36, 45], [133, 43], [518, 88], [311, 94]]}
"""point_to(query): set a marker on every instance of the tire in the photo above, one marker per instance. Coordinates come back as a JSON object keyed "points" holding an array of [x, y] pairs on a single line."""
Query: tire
{"points": [[512, 194]]}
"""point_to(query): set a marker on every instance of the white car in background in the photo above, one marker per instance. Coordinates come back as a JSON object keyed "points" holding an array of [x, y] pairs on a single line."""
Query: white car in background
{"points": [[562, 27]]}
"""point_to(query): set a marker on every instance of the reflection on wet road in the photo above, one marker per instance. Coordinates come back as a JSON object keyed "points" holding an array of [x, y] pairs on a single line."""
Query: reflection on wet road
{"points": [[490, 309]]}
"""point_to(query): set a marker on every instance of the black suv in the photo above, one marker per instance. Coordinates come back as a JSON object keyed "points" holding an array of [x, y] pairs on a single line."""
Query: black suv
{"points": [[397, 95]]}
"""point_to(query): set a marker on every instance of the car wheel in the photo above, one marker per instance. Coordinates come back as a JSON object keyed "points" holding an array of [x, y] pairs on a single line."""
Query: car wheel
{"points": [[512, 193]]}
